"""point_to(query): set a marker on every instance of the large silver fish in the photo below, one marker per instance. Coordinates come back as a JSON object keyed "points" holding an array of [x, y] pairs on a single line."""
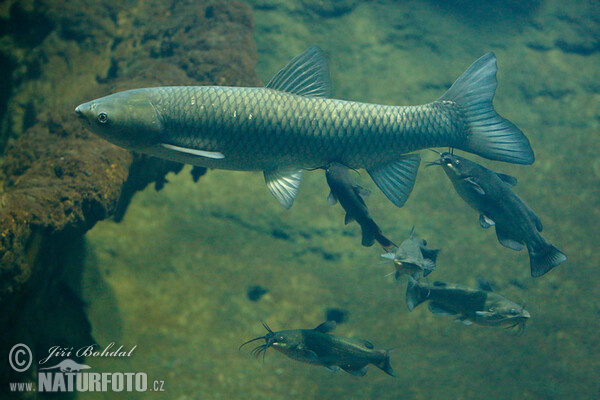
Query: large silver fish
{"points": [[291, 125]]}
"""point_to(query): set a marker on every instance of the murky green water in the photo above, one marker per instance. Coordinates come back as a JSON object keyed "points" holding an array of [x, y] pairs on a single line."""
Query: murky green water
{"points": [[172, 277]]}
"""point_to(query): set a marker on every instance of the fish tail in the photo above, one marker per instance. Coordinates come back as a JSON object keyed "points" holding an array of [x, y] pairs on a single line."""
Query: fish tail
{"points": [[415, 294], [542, 261], [371, 233], [490, 136], [385, 364], [386, 243]]}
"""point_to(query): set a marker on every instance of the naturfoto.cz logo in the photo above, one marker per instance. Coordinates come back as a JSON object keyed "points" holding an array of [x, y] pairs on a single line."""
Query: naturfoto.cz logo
{"points": [[69, 376]]}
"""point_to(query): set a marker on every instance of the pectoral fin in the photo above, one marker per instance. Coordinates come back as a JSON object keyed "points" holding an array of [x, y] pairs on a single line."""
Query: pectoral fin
{"points": [[484, 314], [348, 218], [485, 222], [475, 186], [396, 179], [361, 191], [193, 152], [331, 199], [430, 254], [284, 184], [310, 355], [464, 320], [428, 266], [506, 241]]}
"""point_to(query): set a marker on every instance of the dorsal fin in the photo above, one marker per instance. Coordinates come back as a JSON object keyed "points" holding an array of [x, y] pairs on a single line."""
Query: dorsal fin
{"points": [[509, 180], [306, 75], [326, 326]]}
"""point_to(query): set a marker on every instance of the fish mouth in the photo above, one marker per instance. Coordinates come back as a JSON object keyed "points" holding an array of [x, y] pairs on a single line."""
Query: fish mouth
{"points": [[80, 114], [519, 324], [445, 158], [269, 341]]}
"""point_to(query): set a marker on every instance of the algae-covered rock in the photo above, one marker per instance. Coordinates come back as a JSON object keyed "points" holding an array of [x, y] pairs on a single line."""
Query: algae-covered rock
{"points": [[57, 179], [333, 8], [571, 29]]}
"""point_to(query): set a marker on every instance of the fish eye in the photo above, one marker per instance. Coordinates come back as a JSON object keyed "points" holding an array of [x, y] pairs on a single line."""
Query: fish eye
{"points": [[102, 118], [512, 311], [456, 162]]}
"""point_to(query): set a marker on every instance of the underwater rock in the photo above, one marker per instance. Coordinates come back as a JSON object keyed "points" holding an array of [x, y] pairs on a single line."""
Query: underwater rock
{"points": [[57, 179], [329, 9], [570, 29], [336, 314], [256, 292]]}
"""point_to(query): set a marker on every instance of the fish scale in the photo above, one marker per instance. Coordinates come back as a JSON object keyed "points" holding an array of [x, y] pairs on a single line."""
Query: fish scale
{"points": [[256, 128]]}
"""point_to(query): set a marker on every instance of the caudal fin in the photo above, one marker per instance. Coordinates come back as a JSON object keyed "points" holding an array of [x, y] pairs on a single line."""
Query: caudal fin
{"points": [[385, 243], [543, 261], [385, 365], [415, 295], [491, 136]]}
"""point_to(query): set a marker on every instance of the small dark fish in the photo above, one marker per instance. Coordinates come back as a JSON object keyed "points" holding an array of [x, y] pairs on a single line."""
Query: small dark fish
{"points": [[516, 224], [412, 257], [480, 306], [351, 197], [318, 347]]}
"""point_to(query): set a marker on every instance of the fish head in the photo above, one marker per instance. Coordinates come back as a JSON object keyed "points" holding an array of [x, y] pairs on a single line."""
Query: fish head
{"points": [[127, 119], [399, 256], [286, 341], [455, 166], [501, 311]]}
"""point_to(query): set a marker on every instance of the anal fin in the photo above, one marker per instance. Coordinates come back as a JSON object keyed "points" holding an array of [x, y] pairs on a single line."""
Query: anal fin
{"points": [[438, 309], [506, 241], [356, 372], [397, 178]]}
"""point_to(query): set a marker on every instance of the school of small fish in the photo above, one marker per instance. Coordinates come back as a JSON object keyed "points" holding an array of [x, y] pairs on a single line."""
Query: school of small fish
{"points": [[291, 126]]}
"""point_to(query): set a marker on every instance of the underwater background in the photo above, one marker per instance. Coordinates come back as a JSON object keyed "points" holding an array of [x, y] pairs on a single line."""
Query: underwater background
{"points": [[173, 276]]}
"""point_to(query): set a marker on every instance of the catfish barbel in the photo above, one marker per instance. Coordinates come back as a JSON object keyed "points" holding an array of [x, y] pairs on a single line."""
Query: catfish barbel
{"points": [[291, 125]]}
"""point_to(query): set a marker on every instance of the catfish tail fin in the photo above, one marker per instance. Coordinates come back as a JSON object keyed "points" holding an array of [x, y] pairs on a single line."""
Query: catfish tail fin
{"points": [[543, 261], [385, 365]]}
